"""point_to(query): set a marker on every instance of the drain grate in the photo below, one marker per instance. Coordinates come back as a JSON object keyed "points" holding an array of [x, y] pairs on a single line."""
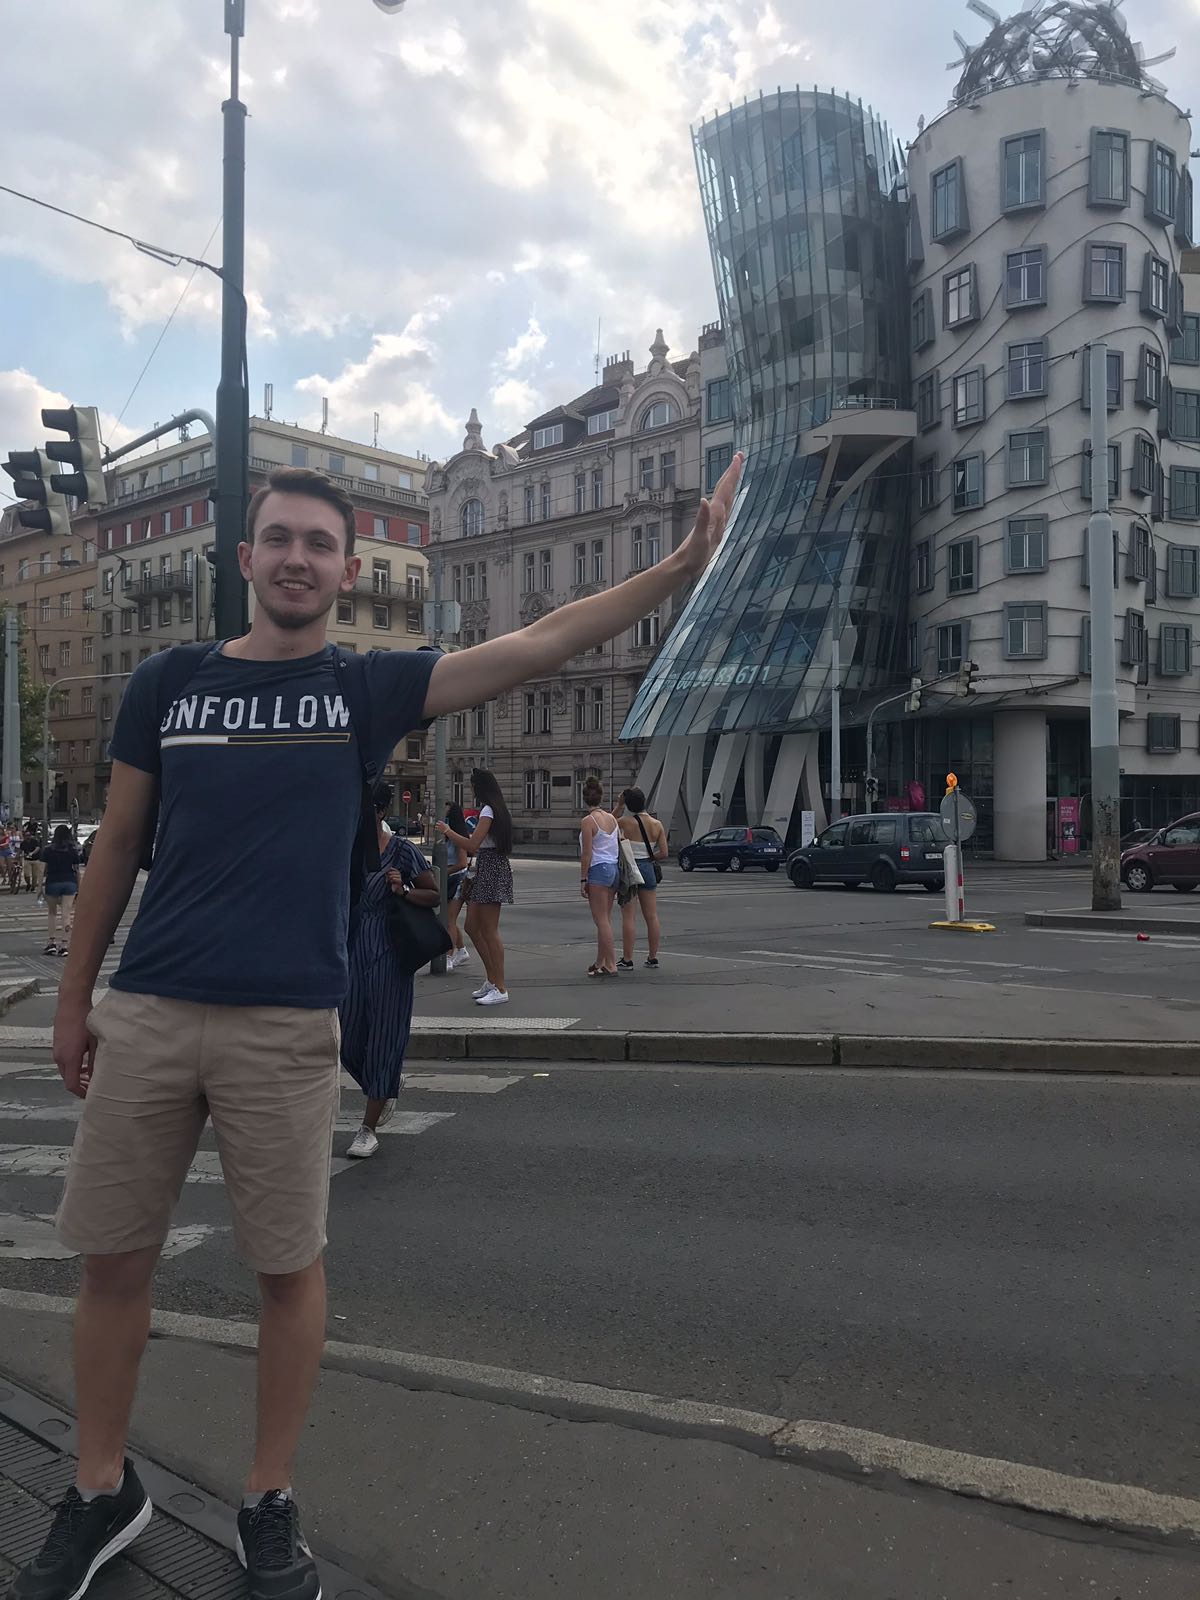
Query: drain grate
{"points": [[185, 1554]]}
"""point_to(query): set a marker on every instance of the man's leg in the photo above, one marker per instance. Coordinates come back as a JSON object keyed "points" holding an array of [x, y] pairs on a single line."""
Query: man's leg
{"points": [[291, 1336], [112, 1322]]}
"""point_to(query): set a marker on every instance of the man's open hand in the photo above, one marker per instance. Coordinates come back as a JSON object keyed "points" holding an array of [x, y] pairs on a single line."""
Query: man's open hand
{"points": [[74, 1047], [702, 544]]}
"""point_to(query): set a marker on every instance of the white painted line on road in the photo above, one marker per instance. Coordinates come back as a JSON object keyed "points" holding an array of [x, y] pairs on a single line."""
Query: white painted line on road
{"points": [[49, 1161], [26, 1036], [33, 1239], [964, 961], [33, 1069], [410, 1122], [460, 1082], [69, 1111], [1088, 1501], [1177, 941]]}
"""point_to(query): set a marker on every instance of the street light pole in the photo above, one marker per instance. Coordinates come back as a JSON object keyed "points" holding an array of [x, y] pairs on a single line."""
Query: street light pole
{"points": [[835, 706], [51, 689], [441, 855], [233, 403], [1106, 755]]}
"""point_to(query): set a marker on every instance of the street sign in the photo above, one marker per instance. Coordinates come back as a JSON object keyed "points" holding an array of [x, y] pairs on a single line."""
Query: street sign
{"points": [[959, 816], [407, 797]]}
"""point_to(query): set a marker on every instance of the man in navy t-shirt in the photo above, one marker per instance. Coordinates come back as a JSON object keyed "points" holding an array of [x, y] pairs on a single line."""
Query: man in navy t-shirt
{"points": [[225, 1001]]}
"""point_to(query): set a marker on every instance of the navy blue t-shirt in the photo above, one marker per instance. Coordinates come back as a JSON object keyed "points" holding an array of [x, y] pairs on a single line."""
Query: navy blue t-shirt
{"points": [[261, 786]]}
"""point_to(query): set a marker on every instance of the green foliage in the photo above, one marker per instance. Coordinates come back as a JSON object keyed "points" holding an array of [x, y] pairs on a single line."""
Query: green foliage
{"points": [[32, 699]]}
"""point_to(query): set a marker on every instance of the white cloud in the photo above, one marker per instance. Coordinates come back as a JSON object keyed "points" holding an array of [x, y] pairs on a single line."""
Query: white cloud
{"points": [[390, 379], [525, 348], [513, 403], [22, 397], [443, 50]]}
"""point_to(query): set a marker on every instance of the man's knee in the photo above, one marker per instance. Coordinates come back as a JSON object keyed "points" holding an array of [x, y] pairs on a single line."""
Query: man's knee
{"points": [[121, 1276], [286, 1288]]}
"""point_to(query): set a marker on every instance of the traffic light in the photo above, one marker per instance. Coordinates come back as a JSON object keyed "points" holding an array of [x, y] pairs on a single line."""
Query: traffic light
{"points": [[82, 450], [965, 683], [913, 703], [872, 788], [31, 477]]}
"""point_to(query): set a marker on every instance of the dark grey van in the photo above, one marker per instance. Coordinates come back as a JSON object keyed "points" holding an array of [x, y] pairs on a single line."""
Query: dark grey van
{"points": [[884, 849]]}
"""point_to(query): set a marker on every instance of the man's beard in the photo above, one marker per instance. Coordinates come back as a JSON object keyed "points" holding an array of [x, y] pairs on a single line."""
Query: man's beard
{"points": [[291, 619]]}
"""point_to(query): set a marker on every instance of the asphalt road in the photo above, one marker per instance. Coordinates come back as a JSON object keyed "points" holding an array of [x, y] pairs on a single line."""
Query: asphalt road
{"points": [[754, 954], [1001, 1265]]}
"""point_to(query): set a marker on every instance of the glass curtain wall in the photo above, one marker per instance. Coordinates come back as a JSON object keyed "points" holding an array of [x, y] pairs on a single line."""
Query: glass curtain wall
{"points": [[805, 219]]}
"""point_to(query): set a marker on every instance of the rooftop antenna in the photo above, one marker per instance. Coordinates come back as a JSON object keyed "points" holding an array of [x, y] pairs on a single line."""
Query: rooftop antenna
{"points": [[268, 400], [324, 416], [377, 430], [598, 322]]}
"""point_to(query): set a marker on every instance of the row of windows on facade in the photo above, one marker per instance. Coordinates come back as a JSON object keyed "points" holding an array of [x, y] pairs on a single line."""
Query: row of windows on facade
{"points": [[658, 414], [1027, 465], [174, 469], [1023, 178], [540, 505], [964, 396], [1025, 284], [46, 607], [43, 565], [1025, 637], [179, 518], [1026, 549], [539, 783]]}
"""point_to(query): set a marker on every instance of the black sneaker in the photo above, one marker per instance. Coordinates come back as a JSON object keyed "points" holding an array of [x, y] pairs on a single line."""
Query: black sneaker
{"points": [[83, 1536], [271, 1547]]}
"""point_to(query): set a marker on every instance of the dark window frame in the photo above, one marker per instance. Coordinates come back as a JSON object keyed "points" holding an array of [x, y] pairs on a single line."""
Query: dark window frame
{"points": [[1042, 531], [1120, 260], [964, 581], [1011, 607], [1038, 201], [1150, 393], [971, 273], [974, 411], [1157, 170], [952, 226], [1038, 362], [1179, 636], [962, 503], [1010, 482], [929, 400], [1019, 302], [1123, 141], [1114, 385]]}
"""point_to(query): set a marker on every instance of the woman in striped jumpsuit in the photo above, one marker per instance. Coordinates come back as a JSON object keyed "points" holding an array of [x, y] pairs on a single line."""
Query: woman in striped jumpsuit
{"points": [[376, 1014]]}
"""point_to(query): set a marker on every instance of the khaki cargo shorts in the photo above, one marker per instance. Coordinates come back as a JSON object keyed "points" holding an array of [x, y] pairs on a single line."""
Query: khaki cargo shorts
{"points": [[267, 1076]]}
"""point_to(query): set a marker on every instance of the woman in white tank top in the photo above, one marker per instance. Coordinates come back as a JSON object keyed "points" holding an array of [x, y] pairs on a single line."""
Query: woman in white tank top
{"points": [[599, 843]]}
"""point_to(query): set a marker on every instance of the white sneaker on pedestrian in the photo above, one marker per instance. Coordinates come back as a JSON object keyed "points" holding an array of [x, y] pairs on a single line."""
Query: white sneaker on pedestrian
{"points": [[462, 957], [386, 1115], [494, 997], [363, 1144], [484, 988]]}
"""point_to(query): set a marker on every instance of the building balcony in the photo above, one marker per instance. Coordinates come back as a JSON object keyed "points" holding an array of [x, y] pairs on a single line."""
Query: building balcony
{"points": [[154, 491], [157, 583], [360, 486], [376, 589]]}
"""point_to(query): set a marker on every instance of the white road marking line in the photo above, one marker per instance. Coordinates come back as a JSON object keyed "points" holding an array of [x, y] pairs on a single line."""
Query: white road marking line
{"points": [[964, 961], [459, 1082], [69, 1111], [411, 1122], [33, 1239], [50, 1161], [32, 1069], [26, 1036]]}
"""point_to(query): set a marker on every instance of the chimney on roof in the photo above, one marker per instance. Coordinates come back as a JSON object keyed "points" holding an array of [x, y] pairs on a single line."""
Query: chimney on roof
{"points": [[615, 367]]}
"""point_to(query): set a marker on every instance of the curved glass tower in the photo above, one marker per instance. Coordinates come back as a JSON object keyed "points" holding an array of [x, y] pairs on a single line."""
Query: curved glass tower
{"points": [[805, 219]]}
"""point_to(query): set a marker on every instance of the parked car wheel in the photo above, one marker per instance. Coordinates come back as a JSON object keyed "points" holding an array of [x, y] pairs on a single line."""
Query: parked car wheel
{"points": [[883, 878], [1139, 878], [935, 888], [801, 875], [772, 866], [686, 864], [1183, 888], [735, 863]]}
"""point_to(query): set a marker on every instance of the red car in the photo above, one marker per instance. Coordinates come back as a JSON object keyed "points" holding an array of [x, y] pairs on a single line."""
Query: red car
{"points": [[1172, 855]]}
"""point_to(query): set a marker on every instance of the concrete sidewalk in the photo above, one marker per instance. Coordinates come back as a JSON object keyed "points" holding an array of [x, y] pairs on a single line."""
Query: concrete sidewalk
{"points": [[435, 1494]]}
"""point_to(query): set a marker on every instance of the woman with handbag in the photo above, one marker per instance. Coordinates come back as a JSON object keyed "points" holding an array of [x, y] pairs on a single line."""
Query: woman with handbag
{"points": [[376, 1015], [648, 838], [599, 847]]}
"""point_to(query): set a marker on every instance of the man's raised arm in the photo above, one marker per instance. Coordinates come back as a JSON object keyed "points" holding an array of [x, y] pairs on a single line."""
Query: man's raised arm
{"points": [[466, 678]]}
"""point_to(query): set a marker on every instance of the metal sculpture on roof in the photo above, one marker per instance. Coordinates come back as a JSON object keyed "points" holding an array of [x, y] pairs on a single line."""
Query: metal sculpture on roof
{"points": [[1052, 39]]}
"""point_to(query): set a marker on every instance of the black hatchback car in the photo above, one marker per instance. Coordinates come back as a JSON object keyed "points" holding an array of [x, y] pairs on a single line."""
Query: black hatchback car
{"points": [[884, 849], [733, 850]]}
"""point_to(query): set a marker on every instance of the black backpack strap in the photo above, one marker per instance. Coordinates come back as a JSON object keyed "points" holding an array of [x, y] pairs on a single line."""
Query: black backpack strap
{"points": [[179, 666], [351, 674]]}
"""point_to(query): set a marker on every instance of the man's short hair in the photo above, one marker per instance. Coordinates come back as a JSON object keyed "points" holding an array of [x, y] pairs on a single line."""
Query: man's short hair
{"points": [[303, 480]]}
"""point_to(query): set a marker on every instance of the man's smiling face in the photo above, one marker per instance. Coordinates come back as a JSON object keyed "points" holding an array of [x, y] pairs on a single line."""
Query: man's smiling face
{"points": [[297, 563]]}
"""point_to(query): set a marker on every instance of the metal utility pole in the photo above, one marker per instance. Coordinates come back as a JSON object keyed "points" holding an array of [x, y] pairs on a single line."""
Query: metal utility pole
{"points": [[51, 690], [233, 403], [440, 851], [12, 790], [1106, 755], [835, 706]]}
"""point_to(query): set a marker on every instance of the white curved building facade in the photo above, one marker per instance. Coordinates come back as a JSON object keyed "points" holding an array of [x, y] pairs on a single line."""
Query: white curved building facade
{"points": [[1045, 215]]}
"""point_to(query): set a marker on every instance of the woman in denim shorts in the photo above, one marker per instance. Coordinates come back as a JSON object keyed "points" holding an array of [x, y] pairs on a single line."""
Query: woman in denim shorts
{"points": [[599, 842]]}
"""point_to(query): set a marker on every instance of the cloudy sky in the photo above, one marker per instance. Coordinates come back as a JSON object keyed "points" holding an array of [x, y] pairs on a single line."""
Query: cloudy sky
{"points": [[442, 205]]}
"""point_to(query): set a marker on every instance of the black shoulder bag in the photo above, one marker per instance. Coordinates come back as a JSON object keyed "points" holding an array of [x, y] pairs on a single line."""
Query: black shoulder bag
{"points": [[654, 862], [417, 933]]}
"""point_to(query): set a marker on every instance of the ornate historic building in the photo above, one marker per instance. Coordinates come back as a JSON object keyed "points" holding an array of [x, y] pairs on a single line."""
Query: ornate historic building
{"points": [[587, 494]]}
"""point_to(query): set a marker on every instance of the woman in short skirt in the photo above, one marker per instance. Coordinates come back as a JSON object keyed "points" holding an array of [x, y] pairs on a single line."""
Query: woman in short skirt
{"points": [[492, 885]]}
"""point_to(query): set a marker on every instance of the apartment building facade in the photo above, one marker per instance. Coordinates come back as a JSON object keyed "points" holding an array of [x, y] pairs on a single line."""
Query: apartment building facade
{"points": [[587, 494]]}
